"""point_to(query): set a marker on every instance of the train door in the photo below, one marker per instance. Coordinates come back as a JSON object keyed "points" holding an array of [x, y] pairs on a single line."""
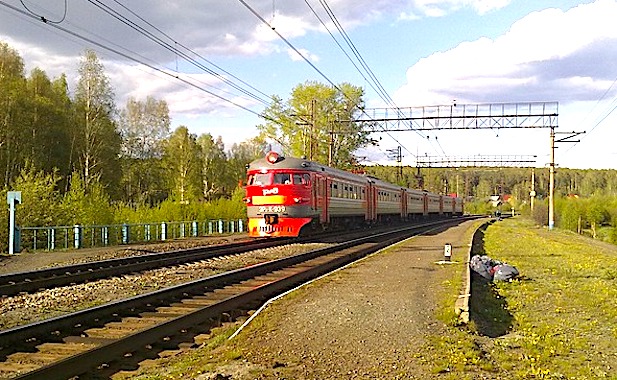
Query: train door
{"points": [[314, 192], [403, 204], [441, 205], [425, 201], [322, 199], [371, 201]]}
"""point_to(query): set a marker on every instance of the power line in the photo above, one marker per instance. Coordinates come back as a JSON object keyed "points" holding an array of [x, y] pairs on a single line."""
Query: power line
{"points": [[613, 102], [43, 18], [373, 82], [192, 51], [256, 14], [117, 15], [127, 56]]}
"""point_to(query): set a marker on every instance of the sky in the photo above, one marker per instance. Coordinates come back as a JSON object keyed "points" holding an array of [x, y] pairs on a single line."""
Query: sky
{"points": [[231, 56]]}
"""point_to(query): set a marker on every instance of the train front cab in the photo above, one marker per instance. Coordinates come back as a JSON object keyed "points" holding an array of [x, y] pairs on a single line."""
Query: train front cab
{"points": [[279, 202]]}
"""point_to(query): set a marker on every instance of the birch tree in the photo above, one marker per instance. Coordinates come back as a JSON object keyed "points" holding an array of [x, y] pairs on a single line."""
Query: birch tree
{"points": [[144, 127], [182, 166], [96, 139], [213, 166], [318, 122]]}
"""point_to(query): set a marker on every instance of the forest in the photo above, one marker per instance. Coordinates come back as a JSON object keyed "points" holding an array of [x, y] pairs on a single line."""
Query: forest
{"points": [[79, 158]]}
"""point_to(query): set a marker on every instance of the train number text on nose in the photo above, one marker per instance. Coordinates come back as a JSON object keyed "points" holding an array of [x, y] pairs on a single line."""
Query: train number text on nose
{"points": [[263, 209]]}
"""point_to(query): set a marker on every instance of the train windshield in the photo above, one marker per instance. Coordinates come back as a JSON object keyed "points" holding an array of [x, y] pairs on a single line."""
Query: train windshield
{"points": [[282, 179], [259, 179]]}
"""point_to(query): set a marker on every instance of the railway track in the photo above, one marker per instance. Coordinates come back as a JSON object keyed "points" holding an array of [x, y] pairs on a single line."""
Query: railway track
{"points": [[74, 344], [25, 282], [32, 281]]}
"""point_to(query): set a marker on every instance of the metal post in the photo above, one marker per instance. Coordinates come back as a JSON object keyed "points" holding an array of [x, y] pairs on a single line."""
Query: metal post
{"points": [[163, 231], [11, 228], [12, 198], [52, 239], [77, 236], [125, 234], [551, 192], [195, 229], [105, 236], [313, 110]]}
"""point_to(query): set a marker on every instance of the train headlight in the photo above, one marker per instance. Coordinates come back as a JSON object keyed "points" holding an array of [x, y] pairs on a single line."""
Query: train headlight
{"points": [[272, 157], [297, 200]]}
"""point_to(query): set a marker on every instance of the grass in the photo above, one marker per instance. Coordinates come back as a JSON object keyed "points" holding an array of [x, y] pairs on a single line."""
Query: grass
{"points": [[558, 321]]}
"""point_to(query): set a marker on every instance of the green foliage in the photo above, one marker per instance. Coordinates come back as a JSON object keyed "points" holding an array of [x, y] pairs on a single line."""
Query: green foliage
{"points": [[544, 325], [222, 208], [98, 141], [39, 199], [569, 212], [86, 206], [480, 208], [39, 196], [144, 127], [316, 122], [182, 166]]}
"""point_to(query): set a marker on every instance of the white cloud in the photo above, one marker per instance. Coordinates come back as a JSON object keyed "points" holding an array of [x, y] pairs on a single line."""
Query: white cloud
{"points": [[440, 8], [550, 55], [305, 53], [529, 55]]}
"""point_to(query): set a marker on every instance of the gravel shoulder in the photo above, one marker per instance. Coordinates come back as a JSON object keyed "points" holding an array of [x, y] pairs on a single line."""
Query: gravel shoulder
{"points": [[368, 321]]}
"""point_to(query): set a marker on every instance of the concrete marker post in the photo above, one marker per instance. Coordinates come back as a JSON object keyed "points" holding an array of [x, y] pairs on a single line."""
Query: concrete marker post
{"points": [[447, 252]]}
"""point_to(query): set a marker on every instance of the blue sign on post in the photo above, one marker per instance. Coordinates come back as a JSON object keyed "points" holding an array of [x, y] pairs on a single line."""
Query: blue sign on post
{"points": [[13, 198]]}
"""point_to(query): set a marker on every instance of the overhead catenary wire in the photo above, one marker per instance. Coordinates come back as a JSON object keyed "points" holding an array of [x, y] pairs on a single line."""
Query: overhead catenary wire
{"points": [[129, 57], [291, 46], [117, 15], [193, 52], [601, 120], [297, 51], [45, 19], [373, 82]]}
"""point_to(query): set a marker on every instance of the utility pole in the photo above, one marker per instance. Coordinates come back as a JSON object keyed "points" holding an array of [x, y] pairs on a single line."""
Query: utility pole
{"points": [[551, 192], [312, 128], [331, 147], [310, 123], [551, 179], [397, 154], [532, 193]]}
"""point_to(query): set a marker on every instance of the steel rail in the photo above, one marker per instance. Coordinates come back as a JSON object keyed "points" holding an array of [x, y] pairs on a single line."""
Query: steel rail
{"points": [[15, 283]]}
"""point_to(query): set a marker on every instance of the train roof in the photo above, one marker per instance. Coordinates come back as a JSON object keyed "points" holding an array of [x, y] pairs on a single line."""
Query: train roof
{"points": [[273, 160]]}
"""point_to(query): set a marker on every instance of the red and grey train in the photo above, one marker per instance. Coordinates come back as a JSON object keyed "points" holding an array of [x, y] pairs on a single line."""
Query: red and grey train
{"points": [[286, 195]]}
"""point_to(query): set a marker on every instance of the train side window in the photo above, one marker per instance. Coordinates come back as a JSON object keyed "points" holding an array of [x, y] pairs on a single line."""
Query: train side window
{"points": [[297, 179], [306, 179]]}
